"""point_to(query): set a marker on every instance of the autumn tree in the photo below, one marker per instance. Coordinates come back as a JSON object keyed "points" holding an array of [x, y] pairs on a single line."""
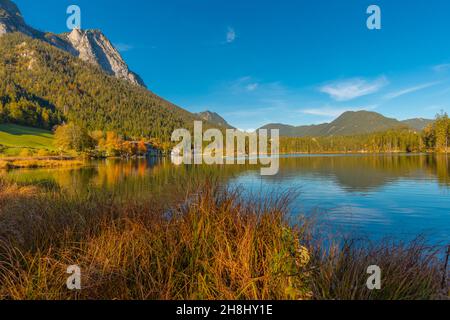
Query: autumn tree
{"points": [[128, 149], [442, 131], [113, 144], [72, 137], [429, 137], [142, 147]]}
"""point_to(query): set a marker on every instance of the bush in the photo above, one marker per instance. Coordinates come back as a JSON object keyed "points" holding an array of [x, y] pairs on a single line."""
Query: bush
{"points": [[25, 153], [43, 153]]}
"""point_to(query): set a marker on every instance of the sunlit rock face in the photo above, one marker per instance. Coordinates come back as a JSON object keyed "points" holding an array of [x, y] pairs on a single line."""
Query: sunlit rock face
{"points": [[93, 46]]}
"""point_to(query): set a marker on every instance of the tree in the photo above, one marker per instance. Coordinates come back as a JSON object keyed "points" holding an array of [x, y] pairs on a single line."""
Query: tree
{"points": [[142, 148], [112, 144], [72, 137], [442, 131], [128, 149], [429, 137]]}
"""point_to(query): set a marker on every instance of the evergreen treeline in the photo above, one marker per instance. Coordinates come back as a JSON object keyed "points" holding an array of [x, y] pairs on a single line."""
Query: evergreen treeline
{"points": [[389, 141], [435, 137], [42, 86]]}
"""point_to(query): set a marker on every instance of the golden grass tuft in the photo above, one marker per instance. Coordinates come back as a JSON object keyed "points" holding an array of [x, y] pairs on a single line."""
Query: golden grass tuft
{"points": [[11, 193], [3, 164], [210, 245]]}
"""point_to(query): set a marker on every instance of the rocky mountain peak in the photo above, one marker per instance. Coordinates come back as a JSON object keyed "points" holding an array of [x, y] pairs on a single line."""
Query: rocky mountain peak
{"points": [[75, 36], [11, 19], [89, 45], [94, 47]]}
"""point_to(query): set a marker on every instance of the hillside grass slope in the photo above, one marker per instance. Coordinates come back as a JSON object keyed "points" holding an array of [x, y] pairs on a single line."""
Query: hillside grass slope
{"points": [[14, 136]]}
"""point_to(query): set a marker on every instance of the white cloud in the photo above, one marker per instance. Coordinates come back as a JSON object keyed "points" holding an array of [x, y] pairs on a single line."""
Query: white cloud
{"points": [[252, 86], [442, 67], [250, 130], [123, 47], [245, 85], [435, 107], [250, 112], [231, 35], [334, 112], [409, 90], [255, 88], [353, 88]]}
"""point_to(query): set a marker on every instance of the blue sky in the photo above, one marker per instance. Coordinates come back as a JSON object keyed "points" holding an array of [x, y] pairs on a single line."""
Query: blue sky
{"points": [[289, 61]]}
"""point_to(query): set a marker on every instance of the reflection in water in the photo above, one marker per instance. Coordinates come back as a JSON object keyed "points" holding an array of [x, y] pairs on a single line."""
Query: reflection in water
{"points": [[375, 194], [365, 173]]}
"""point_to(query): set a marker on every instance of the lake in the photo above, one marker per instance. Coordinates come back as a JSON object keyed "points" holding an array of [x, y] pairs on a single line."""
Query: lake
{"points": [[369, 195]]}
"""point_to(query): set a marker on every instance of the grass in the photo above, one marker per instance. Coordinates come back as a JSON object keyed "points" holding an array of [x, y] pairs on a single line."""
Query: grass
{"points": [[410, 271], [38, 163], [199, 241], [27, 147], [16, 137]]}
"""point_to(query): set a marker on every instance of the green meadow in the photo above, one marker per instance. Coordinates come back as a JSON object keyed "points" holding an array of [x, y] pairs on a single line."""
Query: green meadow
{"points": [[14, 139]]}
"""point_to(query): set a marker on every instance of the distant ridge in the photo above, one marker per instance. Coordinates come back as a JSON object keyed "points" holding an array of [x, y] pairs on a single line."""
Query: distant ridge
{"points": [[214, 119], [350, 123], [418, 123]]}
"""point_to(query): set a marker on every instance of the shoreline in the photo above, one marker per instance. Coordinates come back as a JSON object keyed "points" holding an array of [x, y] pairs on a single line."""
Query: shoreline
{"points": [[39, 162], [63, 161]]}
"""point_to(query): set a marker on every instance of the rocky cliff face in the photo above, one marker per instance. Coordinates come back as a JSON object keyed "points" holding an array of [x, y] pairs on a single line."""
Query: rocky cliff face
{"points": [[89, 45], [92, 46]]}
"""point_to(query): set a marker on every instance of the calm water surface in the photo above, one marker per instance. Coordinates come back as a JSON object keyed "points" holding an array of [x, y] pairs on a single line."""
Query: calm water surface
{"points": [[370, 195]]}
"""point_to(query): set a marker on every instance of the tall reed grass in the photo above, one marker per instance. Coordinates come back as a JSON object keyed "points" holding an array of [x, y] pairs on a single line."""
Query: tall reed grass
{"points": [[200, 241]]}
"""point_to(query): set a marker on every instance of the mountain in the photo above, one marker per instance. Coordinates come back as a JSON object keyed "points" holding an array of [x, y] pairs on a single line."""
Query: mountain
{"points": [[418, 123], [360, 122], [89, 45], [94, 47], [11, 20], [214, 119], [349, 123], [42, 85]]}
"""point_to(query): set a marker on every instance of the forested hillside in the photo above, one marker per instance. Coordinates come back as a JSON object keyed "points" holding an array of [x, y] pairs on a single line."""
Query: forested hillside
{"points": [[43, 86], [389, 141], [435, 137], [349, 123], [214, 118]]}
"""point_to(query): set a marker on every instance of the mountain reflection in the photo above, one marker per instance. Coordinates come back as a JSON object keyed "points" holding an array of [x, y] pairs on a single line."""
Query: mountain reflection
{"points": [[366, 172]]}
